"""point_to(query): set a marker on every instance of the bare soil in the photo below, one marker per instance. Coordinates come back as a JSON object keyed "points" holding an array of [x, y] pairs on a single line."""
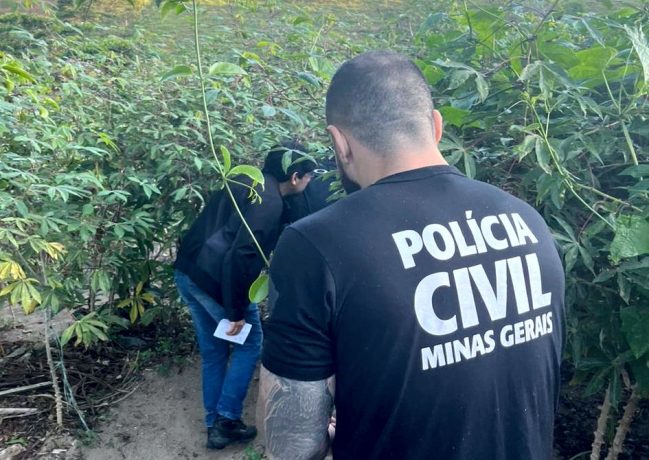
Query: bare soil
{"points": [[163, 420], [142, 414]]}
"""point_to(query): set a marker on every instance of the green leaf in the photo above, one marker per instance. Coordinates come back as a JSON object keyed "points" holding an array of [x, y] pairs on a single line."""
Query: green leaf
{"points": [[528, 144], [19, 71], [287, 159], [119, 231], [170, 5], [180, 194], [150, 315], [250, 56], [631, 238], [227, 159], [483, 87], [597, 56], [259, 289], [641, 47], [570, 258], [309, 78], [97, 332], [134, 312], [542, 155], [22, 208], [226, 69], [252, 172], [635, 326], [636, 171], [530, 71], [124, 303], [469, 165], [558, 53], [178, 71], [454, 116], [67, 334], [294, 117], [88, 209], [458, 77], [624, 287], [268, 111], [433, 74]]}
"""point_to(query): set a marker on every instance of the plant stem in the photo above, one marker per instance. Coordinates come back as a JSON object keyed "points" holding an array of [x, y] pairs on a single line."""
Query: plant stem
{"points": [[222, 172], [50, 364], [624, 425], [602, 421], [48, 353], [629, 143]]}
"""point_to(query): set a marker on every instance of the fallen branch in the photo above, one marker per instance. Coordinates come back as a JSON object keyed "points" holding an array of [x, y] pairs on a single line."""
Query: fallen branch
{"points": [[119, 399], [24, 388], [7, 411]]}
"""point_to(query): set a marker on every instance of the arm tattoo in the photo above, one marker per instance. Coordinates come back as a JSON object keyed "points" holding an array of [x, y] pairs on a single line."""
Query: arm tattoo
{"points": [[293, 416]]}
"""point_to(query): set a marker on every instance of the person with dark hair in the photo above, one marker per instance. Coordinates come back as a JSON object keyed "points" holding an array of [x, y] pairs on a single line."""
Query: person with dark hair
{"points": [[428, 306], [317, 195], [216, 263]]}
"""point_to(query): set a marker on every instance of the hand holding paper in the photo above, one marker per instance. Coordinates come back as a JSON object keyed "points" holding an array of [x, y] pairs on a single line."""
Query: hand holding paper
{"points": [[225, 326]]}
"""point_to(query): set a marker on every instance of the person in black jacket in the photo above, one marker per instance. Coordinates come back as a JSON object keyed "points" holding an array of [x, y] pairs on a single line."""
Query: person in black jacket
{"points": [[216, 263], [319, 194]]}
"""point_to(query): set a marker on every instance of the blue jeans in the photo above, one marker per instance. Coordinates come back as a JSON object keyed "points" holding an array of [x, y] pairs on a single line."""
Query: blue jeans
{"points": [[224, 386]]}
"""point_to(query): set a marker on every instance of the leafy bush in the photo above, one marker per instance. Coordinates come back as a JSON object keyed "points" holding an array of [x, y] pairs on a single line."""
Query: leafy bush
{"points": [[554, 109], [105, 158]]}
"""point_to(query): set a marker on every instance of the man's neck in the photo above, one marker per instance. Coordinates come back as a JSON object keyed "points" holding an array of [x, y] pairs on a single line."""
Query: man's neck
{"points": [[405, 162]]}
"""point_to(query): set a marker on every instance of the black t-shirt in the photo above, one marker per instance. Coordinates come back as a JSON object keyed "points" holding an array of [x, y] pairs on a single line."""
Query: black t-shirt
{"points": [[437, 301]]}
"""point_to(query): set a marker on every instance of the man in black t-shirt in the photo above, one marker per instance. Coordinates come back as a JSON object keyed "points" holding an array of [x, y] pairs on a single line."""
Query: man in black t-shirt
{"points": [[434, 299]]}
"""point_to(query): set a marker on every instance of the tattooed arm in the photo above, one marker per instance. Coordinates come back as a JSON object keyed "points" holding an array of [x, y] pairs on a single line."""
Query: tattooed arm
{"points": [[293, 416]]}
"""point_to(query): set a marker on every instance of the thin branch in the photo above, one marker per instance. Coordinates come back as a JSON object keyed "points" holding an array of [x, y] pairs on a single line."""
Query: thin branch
{"points": [[211, 140], [602, 421], [624, 425], [48, 353], [25, 388]]}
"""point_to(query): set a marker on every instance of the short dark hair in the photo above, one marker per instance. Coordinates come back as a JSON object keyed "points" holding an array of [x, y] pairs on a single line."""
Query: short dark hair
{"points": [[380, 97], [300, 162]]}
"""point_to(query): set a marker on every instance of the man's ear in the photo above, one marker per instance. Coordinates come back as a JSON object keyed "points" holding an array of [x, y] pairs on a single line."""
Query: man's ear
{"points": [[294, 178], [438, 125], [341, 145]]}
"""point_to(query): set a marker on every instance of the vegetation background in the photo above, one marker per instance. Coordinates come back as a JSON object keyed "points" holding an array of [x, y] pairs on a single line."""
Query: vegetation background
{"points": [[106, 157]]}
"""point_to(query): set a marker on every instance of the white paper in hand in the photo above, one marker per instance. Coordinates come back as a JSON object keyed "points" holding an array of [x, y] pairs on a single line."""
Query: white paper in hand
{"points": [[224, 326]]}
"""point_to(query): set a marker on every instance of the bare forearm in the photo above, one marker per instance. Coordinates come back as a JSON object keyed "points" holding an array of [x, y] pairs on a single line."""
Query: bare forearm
{"points": [[293, 416]]}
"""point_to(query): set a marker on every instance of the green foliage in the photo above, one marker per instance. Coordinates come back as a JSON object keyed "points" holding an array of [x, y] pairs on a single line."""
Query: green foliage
{"points": [[87, 331], [105, 157], [104, 164], [137, 304], [259, 289], [554, 110]]}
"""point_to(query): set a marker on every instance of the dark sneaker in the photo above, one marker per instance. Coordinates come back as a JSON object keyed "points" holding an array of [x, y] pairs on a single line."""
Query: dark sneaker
{"points": [[226, 431]]}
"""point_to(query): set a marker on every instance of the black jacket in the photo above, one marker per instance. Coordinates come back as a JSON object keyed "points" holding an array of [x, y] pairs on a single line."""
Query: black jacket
{"points": [[217, 252]]}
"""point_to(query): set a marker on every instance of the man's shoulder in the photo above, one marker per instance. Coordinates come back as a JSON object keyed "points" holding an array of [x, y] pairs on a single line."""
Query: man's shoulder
{"points": [[332, 216]]}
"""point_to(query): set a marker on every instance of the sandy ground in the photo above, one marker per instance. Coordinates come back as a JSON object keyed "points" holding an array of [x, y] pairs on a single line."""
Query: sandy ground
{"points": [[163, 420]]}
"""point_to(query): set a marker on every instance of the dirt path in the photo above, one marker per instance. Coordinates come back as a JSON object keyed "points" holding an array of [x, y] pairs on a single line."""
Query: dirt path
{"points": [[163, 420]]}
